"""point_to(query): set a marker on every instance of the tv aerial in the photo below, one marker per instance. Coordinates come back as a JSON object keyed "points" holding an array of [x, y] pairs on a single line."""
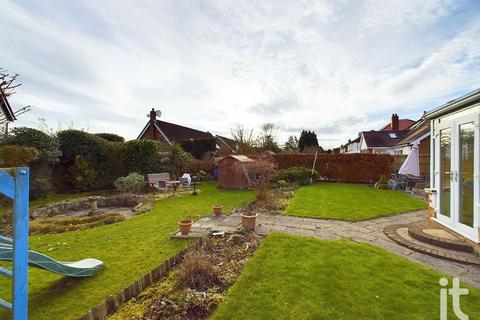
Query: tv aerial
{"points": [[158, 113]]}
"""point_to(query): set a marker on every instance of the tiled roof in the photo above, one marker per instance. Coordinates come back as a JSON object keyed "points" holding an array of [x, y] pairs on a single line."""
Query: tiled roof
{"points": [[416, 131], [379, 139], [227, 142], [403, 124], [176, 133]]}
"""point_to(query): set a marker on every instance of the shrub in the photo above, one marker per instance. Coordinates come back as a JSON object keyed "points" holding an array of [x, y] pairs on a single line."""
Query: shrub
{"points": [[46, 145], [110, 137], [16, 156], [84, 174], [197, 271], [143, 156], [298, 175], [39, 188], [180, 159], [133, 183]]}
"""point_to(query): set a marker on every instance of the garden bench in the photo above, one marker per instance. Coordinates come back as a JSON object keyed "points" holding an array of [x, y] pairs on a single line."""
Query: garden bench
{"points": [[159, 181]]}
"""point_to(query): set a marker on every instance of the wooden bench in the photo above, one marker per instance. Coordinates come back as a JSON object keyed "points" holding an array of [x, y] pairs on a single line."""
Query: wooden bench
{"points": [[158, 181]]}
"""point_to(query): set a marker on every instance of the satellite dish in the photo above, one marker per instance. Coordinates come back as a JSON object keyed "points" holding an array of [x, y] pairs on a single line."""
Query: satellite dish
{"points": [[158, 113]]}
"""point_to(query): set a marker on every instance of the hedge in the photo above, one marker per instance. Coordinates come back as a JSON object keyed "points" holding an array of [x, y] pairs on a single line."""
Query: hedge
{"points": [[354, 167]]}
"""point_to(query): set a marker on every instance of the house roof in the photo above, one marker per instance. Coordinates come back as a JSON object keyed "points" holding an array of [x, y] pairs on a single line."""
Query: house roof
{"points": [[418, 130], [383, 139], [177, 133], [455, 104], [226, 142], [5, 108], [403, 124]]}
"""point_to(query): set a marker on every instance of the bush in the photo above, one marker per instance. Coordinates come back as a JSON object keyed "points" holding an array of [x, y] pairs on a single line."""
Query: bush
{"points": [[197, 271], [298, 175], [46, 145], [110, 137], [143, 156], [84, 174], [132, 183], [16, 156], [179, 159], [103, 157]]}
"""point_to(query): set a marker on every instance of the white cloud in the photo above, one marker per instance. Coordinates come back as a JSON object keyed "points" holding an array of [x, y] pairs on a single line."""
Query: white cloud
{"points": [[334, 66]]}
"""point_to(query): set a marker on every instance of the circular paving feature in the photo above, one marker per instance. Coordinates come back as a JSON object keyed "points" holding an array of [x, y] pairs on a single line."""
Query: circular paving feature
{"points": [[434, 242]]}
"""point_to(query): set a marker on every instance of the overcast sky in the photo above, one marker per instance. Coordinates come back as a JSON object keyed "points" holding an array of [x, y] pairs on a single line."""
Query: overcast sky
{"points": [[336, 67]]}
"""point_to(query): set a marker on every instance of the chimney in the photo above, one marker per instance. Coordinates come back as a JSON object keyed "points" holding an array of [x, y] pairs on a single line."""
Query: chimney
{"points": [[153, 116], [394, 124]]}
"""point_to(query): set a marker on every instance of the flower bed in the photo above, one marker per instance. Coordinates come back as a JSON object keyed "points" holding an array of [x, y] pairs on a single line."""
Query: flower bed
{"points": [[194, 288]]}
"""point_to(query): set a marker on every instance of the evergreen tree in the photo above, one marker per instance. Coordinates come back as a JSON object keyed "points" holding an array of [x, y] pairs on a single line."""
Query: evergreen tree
{"points": [[307, 139]]}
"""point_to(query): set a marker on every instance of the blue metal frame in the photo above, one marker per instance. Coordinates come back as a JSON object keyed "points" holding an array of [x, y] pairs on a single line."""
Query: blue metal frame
{"points": [[16, 187]]}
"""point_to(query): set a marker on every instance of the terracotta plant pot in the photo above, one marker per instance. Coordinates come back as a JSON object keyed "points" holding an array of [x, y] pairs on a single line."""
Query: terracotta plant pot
{"points": [[217, 209], [383, 186], [185, 227], [249, 221]]}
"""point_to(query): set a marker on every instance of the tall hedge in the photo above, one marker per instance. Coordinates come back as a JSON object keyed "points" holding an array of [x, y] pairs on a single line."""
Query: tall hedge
{"points": [[104, 157], [355, 167], [143, 156]]}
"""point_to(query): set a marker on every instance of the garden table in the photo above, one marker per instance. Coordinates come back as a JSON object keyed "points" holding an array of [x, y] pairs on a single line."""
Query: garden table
{"points": [[174, 184]]}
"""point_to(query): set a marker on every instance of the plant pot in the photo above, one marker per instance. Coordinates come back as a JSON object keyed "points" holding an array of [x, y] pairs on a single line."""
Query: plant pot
{"points": [[185, 227], [249, 221], [217, 209], [382, 186]]}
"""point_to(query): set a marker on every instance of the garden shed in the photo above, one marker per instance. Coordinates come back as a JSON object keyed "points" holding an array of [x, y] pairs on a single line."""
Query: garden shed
{"points": [[234, 172]]}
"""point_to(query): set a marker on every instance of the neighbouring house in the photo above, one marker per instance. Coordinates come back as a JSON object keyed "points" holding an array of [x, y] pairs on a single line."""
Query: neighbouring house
{"points": [[398, 124], [379, 141], [455, 164], [352, 146], [226, 146], [234, 172], [6, 113], [194, 141], [168, 133]]}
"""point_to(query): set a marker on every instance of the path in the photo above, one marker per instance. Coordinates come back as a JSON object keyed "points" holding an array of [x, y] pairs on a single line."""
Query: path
{"points": [[369, 231]]}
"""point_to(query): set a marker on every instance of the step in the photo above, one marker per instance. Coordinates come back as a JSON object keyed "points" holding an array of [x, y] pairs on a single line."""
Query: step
{"points": [[434, 234]]}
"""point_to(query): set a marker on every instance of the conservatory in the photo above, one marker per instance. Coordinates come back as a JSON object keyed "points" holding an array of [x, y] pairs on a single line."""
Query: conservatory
{"points": [[455, 164]]}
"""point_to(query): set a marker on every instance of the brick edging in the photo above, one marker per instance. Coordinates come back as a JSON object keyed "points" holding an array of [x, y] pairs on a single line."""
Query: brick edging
{"points": [[416, 231], [112, 303]]}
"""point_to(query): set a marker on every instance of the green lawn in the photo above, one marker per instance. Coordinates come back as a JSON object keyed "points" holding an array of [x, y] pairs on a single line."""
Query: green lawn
{"points": [[350, 202], [304, 278], [129, 249]]}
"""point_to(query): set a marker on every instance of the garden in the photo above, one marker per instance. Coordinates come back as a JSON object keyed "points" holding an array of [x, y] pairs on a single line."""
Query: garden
{"points": [[90, 199]]}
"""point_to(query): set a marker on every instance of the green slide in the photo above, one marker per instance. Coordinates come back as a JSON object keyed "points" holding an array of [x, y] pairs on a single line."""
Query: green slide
{"points": [[82, 268]]}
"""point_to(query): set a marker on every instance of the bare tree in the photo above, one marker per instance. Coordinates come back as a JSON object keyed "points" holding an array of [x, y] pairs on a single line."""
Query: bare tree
{"points": [[267, 140], [244, 138]]}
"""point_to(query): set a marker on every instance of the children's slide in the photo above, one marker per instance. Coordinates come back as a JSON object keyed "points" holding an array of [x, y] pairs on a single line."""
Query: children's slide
{"points": [[82, 268]]}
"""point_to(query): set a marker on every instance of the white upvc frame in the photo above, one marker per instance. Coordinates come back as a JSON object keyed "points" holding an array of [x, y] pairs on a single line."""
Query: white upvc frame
{"points": [[452, 222]]}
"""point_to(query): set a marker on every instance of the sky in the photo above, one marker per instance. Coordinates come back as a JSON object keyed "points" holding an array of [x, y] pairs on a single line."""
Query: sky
{"points": [[335, 67]]}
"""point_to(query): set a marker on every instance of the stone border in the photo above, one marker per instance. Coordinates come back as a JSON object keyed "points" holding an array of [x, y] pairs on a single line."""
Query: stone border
{"points": [[391, 232], [416, 231], [112, 303]]}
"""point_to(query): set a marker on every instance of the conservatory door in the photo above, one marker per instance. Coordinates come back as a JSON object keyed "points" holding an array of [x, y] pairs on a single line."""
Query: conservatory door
{"points": [[465, 186], [445, 173]]}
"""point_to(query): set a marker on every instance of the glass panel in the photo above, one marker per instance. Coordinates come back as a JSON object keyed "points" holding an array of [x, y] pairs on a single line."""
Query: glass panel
{"points": [[466, 136], [445, 167]]}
